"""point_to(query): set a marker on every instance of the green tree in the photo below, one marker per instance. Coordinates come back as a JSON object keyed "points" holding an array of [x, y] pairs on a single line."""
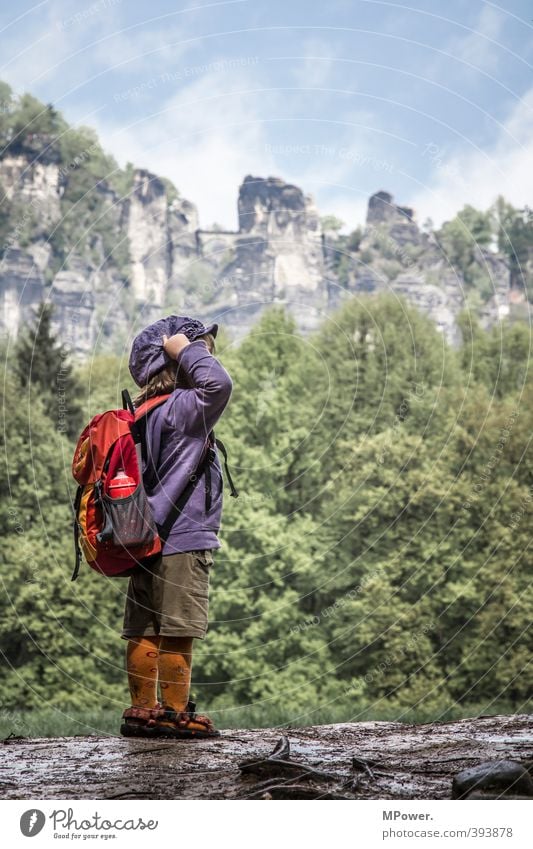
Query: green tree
{"points": [[377, 555], [461, 239], [59, 639], [261, 412], [102, 379], [42, 366], [331, 224], [515, 239], [354, 239], [375, 364], [88, 178], [34, 128], [6, 107], [500, 357]]}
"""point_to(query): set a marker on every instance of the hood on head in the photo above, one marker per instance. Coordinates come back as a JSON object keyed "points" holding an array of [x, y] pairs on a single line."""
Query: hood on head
{"points": [[148, 356]]}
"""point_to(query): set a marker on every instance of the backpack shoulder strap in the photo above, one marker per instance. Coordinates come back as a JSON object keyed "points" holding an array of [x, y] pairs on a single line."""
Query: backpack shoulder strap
{"points": [[76, 530], [127, 403], [149, 405], [149, 453], [165, 527], [222, 448]]}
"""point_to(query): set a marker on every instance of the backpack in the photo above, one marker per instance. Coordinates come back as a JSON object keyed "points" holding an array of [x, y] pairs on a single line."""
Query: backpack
{"points": [[115, 532]]}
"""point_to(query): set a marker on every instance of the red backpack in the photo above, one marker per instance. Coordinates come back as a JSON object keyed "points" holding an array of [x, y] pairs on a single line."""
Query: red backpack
{"points": [[113, 522]]}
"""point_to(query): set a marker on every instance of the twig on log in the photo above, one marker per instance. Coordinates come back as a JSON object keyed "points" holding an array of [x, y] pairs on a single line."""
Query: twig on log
{"points": [[278, 762], [13, 738], [122, 792], [297, 791], [151, 751], [282, 750], [360, 765], [267, 766]]}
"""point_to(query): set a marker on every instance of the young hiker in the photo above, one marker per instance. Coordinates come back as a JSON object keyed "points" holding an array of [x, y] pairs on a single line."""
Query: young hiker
{"points": [[167, 599]]}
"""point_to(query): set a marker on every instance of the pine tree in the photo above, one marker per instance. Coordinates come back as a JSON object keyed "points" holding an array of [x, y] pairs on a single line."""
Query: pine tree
{"points": [[42, 367]]}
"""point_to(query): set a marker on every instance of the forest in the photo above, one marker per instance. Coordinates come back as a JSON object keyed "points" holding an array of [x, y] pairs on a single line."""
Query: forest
{"points": [[376, 564]]}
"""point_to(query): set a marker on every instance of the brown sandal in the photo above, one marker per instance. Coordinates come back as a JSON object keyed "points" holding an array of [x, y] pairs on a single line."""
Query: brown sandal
{"points": [[140, 722], [185, 724]]}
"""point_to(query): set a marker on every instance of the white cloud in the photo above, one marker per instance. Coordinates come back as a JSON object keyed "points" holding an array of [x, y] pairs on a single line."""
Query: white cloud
{"points": [[71, 54], [59, 51], [208, 137], [137, 50], [29, 52], [471, 56], [202, 139], [481, 48], [315, 68], [478, 177], [346, 204]]}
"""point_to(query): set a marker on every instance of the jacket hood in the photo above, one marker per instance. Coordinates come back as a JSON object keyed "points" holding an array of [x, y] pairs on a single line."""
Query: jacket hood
{"points": [[148, 356]]}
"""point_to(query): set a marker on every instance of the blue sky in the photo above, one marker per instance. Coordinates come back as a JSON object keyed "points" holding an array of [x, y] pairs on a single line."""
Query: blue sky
{"points": [[432, 101]]}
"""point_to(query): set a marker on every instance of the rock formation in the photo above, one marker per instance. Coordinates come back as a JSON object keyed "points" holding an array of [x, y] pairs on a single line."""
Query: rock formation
{"points": [[395, 256], [149, 257], [398, 220], [21, 287], [276, 256]]}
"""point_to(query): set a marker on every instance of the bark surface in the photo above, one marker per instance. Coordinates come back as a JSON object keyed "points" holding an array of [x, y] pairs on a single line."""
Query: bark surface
{"points": [[362, 760]]}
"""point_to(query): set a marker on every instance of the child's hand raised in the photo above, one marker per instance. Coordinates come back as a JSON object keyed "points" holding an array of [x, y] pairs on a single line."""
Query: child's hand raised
{"points": [[173, 345]]}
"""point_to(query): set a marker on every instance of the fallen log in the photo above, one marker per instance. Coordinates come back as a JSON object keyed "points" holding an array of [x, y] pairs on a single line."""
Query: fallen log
{"points": [[360, 760]]}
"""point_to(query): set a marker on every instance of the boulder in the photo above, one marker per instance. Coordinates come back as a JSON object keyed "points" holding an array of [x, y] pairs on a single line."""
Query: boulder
{"points": [[504, 777]]}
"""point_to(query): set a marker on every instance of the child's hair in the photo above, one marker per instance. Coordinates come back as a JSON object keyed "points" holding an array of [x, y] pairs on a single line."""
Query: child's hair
{"points": [[167, 380]]}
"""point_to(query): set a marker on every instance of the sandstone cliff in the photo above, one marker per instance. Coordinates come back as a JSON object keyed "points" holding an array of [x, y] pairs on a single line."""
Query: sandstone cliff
{"points": [[115, 256]]}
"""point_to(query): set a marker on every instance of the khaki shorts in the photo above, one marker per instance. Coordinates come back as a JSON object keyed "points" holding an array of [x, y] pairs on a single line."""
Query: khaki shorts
{"points": [[169, 597]]}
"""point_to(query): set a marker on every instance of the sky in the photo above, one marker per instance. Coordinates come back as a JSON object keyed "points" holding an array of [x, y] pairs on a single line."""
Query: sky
{"points": [[431, 100]]}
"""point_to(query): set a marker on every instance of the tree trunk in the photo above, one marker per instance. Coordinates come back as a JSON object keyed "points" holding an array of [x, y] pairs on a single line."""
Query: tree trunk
{"points": [[360, 760]]}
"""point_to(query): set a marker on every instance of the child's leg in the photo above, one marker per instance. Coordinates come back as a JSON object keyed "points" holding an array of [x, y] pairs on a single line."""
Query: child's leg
{"points": [[175, 662], [141, 661]]}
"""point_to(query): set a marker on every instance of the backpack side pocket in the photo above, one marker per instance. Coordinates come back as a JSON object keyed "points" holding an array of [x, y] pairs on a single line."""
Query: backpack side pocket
{"points": [[130, 518]]}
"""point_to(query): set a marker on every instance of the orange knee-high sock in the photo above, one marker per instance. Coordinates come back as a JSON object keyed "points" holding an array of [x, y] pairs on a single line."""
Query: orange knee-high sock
{"points": [[141, 663], [175, 662]]}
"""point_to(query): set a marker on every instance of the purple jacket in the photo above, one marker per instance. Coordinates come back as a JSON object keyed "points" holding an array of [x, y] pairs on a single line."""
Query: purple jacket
{"points": [[176, 434]]}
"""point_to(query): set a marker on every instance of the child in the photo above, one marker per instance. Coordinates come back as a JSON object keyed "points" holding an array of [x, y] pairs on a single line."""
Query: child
{"points": [[167, 600]]}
